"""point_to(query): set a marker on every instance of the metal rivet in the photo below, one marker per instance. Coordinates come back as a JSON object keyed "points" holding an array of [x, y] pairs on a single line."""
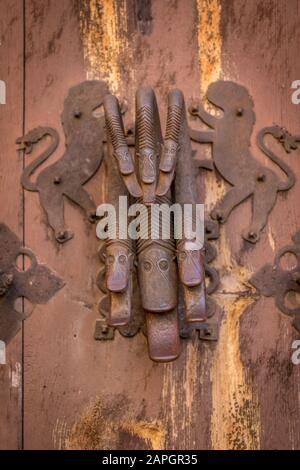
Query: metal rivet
{"points": [[252, 235], [240, 111], [261, 177], [61, 235]]}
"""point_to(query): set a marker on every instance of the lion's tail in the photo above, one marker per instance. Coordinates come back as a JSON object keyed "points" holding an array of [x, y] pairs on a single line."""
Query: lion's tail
{"points": [[276, 132], [32, 138]]}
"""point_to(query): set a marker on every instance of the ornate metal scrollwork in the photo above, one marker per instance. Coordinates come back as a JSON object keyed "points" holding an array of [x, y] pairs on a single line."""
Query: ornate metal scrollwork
{"points": [[275, 281]]}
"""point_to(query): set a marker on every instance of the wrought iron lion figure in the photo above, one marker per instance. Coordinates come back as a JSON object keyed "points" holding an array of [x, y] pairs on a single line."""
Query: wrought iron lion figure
{"points": [[84, 132], [230, 137]]}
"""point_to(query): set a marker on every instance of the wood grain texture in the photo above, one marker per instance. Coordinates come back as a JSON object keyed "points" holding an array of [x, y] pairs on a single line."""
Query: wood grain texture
{"points": [[260, 44], [81, 394], [65, 369], [11, 204]]}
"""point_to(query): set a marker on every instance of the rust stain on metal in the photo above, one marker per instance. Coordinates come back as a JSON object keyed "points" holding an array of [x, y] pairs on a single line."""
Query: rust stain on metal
{"points": [[235, 421], [104, 30]]}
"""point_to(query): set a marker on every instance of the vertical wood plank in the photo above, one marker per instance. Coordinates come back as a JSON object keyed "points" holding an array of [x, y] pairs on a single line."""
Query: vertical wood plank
{"points": [[11, 203], [53, 64], [65, 369], [255, 385]]}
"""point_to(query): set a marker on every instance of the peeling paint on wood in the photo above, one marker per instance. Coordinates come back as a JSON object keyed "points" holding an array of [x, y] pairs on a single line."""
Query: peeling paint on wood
{"points": [[184, 388], [210, 64], [235, 421], [235, 418], [271, 238], [2, 353], [152, 432], [16, 374], [109, 424], [104, 30], [209, 41], [60, 433]]}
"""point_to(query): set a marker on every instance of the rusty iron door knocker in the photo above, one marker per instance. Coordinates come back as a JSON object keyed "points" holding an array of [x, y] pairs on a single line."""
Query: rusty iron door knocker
{"points": [[148, 177]]}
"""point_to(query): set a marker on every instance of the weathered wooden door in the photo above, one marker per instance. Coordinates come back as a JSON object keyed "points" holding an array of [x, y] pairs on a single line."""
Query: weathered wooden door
{"points": [[61, 389]]}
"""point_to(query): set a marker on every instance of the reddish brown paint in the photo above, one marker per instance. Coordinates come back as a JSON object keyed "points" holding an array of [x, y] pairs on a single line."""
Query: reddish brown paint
{"points": [[11, 205], [64, 368], [267, 64]]}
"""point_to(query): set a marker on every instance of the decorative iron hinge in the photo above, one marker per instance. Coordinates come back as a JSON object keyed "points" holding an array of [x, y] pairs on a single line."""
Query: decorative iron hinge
{"points": [[275, 281], [37, 283]]}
